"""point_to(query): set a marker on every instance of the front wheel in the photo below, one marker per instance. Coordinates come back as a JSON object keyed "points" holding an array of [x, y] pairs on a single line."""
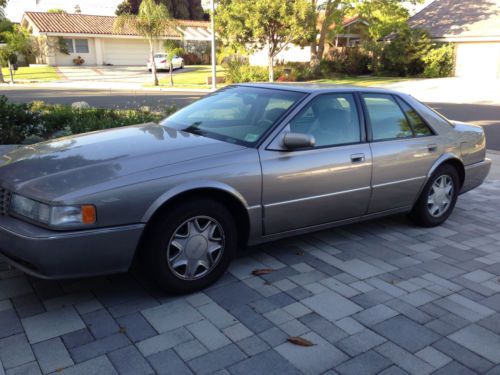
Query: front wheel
{"points": [[438, 198], [191, 246]]}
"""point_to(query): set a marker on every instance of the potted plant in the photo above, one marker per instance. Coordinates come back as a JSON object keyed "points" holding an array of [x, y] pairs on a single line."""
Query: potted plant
{"points": [[78, 61]]}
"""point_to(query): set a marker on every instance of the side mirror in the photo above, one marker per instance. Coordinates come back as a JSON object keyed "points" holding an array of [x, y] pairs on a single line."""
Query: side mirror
{"points": [[294, 141]]}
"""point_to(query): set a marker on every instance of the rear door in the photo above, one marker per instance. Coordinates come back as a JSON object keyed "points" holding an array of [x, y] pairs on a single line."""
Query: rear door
{"points": [[404, 148]]}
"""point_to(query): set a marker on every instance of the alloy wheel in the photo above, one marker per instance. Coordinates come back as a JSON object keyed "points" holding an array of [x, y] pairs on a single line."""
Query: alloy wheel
{"points": [[195, 248], [440, 196]]}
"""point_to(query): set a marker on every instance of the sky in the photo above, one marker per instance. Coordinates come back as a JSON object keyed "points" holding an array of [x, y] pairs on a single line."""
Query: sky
{"points": [[16, 8]]}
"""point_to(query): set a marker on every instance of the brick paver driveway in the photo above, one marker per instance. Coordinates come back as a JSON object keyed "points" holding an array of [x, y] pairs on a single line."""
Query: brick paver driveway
{"points": [[378, 297]]}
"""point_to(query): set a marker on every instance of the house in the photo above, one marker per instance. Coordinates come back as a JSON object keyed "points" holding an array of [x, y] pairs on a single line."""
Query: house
{"points": [[95, 40], [473, 26], [351, 34]]}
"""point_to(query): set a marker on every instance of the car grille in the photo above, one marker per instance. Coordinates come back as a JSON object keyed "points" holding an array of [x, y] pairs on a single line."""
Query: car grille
{"points": [[4, 201]]}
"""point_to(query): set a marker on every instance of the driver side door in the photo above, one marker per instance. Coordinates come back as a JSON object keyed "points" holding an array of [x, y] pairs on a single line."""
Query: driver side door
{"points": [[326, 183]]}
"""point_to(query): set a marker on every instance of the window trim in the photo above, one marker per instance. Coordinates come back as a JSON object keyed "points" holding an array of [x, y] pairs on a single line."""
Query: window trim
{"points": [[395, 98], [361, 125]]}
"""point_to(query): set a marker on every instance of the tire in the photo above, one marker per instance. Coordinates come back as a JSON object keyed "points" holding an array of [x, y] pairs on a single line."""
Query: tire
{"points": [[431, 212], [177, 237]]}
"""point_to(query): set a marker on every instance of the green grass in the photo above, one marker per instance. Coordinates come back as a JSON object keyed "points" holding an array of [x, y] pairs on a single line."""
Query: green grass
{"points": [[32, 74], [360, 80], [195, 76]]}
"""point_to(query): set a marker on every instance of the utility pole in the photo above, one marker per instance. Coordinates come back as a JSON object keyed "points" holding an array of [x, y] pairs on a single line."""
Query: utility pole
{"points": [[214, 59]]}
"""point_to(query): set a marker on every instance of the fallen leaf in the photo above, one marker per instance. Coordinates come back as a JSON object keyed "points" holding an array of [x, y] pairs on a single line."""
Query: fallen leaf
{"points": [[262, 271], [123, 329], [295, 340], [300, 253]]}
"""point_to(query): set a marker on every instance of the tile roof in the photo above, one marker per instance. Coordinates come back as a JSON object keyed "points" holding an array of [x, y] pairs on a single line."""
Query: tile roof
{"points": [[68, 23], [459, 18]]}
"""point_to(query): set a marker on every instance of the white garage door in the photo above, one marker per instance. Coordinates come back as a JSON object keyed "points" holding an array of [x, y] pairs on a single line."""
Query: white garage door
{"points": [[478, 60], [125, 52]]}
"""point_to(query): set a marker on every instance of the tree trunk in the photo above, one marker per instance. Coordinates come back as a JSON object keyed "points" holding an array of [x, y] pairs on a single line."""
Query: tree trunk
{"points": [[171, 74], [153, 64], [10, 72], [314, 42], [324, 29], [1, 75], [271, 65]]}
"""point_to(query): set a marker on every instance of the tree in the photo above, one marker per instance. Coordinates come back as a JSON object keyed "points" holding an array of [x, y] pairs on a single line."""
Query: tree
{"points": [[56, 10], [17, 42], [180, 9], [383, 17], [3, 3], [264, 24], [172, 49], [128, 7], [152, 22], [329, 13]]}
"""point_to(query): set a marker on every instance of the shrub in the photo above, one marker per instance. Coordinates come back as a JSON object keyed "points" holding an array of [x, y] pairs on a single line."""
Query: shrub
{"points": [[351, 61], [36, 121], [17, 121], [439, 61], [296, 71], [237, 72], [403, 55]]}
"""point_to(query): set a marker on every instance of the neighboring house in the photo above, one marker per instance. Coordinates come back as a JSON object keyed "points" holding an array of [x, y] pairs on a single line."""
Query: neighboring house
{"points": [[473, 26], [353, 31], [94, 39], [351, 35]]}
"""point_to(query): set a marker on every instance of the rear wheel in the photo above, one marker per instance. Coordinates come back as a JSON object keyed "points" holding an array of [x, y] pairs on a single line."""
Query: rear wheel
{"points": [[438, 198], [191, 246]]}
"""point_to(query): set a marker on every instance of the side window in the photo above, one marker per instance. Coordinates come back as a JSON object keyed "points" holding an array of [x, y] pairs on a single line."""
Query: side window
{"points": [[82, 45], [69, 45], [386, 118], [420, 128], [332, 119]]}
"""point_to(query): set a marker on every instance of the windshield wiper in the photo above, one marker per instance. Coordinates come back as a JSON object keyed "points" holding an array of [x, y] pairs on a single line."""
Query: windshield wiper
{"points": [[194, 130]]}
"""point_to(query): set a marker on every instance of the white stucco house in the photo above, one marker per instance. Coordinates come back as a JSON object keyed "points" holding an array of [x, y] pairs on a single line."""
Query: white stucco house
{"points": [[473, 26], [95, 40]]}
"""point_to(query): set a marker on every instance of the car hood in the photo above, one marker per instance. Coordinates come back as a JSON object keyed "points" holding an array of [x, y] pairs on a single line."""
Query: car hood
{"points": [[51, 169]]}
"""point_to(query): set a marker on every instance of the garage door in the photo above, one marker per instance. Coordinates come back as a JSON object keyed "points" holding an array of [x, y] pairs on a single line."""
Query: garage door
{"points": [[125, 52], [478, 60]]}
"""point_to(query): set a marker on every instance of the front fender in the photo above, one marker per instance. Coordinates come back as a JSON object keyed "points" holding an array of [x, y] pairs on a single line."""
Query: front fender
{"points": [[189, 186]]}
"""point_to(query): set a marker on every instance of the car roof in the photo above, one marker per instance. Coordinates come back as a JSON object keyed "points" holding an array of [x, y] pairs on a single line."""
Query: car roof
{"points": [[317, 87]]}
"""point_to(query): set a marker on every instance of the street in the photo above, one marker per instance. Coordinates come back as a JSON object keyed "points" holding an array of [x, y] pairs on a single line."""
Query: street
{"points": [[487, 116]]}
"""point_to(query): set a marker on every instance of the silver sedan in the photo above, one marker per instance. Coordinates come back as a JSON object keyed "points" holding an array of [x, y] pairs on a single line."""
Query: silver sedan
{"points": [[242, 166]]}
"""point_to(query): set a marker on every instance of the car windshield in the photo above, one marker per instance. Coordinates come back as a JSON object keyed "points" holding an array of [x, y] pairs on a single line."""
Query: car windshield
{"points": [[235, 114]]}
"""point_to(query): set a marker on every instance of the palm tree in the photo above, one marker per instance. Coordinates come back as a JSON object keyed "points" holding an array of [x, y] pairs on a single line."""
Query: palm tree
{"points": [[152, 22]]}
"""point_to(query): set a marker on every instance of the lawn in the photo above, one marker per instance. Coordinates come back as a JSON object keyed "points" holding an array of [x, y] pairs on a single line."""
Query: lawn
{"points": [[32, 74], [361, 80], [194, 76]]}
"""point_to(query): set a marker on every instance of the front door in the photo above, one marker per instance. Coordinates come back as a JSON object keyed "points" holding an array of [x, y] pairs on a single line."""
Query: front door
{"points": [[323, 184]]}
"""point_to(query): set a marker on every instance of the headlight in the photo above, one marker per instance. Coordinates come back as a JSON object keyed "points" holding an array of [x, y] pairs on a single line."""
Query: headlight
{"points": [[61, 216]]}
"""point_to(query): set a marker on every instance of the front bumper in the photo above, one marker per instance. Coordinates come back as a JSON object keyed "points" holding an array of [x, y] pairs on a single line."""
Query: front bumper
{"points": [[475, 174], [58, 255]]}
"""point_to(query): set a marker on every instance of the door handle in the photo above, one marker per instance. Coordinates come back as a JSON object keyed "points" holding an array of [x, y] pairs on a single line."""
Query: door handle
{"points": [[357, 158], [432, 147]]}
